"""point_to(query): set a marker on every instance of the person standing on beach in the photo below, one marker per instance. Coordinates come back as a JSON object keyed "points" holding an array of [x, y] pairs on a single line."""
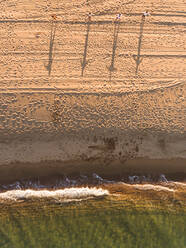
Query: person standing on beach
{"points": [[54, 17], [146, 13], [89, 17], [118, 17]]}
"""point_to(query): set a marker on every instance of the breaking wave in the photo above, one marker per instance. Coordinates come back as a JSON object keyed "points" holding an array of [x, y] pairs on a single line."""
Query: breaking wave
{"points": [[152, 187], [64, 195], [67, 189]]}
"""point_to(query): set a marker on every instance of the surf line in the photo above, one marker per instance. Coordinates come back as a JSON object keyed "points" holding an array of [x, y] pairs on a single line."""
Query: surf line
{"points": [[68, 194]]}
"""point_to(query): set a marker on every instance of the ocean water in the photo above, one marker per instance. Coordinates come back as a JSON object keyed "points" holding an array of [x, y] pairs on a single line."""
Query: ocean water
{"points": [[59, 226], [112, 214]]}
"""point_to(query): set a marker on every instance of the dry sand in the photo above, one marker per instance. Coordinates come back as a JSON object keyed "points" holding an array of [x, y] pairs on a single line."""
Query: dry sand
{"points": [[92, 92]]}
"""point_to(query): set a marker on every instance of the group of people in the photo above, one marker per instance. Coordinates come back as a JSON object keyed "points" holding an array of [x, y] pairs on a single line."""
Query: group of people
{"points": [[146, 13], [118, 16]]}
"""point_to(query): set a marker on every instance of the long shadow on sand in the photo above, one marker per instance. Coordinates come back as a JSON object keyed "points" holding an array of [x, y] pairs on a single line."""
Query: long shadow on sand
{"points": [[51, 48], [137, 57], [84, 62], [111, 68]]}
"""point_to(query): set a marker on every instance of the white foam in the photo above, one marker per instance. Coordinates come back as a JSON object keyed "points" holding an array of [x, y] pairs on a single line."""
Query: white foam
{"points": [[177, 184], [149, 187], [180, 184], [69, 194], [152, 187]]}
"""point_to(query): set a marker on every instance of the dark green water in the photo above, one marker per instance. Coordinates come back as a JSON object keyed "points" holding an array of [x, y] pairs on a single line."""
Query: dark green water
{"points": [[78, 226]]}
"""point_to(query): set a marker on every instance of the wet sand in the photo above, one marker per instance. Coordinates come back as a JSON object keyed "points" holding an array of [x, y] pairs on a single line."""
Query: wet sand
{"points": [[49, 171]]}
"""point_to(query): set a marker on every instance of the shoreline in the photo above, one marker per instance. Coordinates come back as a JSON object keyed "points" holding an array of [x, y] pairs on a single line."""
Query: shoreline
{"points": [[48, 171], [148, 196]]}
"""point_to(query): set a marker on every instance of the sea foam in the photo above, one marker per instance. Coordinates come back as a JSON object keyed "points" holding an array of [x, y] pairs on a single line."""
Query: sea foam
{"points": [[66, 195], [152, 187]]}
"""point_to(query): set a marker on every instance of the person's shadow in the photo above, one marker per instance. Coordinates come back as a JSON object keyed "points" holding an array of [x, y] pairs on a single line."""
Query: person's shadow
{"points": [[137, 57], [84, 62], [51, 47], [111, 68]]}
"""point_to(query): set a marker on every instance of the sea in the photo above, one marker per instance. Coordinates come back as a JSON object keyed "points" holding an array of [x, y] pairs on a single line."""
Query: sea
{"points": [[91, 211]]}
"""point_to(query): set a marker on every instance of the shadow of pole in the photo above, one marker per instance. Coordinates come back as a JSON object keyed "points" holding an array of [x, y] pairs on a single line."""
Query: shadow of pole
{"points": [[137, 57], [51, 48], [84, 62], [111, 68]]}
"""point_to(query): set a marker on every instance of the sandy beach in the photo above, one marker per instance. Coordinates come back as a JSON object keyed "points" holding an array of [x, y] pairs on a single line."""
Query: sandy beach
{"points": [[93, 92]]}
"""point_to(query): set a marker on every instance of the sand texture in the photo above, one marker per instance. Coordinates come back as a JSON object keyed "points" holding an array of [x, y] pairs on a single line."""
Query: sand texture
{"points": [[92, 90]]}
